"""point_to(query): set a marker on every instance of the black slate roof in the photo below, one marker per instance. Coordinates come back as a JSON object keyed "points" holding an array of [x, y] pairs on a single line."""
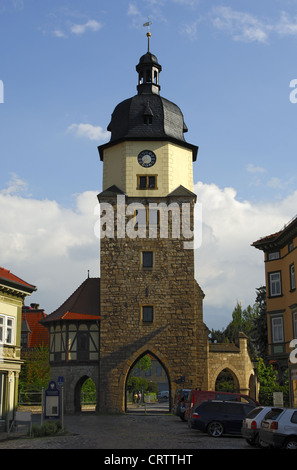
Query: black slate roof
{"points": [[128, 119]]}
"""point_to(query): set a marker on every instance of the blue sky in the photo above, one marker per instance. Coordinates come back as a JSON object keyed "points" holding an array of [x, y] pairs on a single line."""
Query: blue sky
{"points": [[66, 64]]}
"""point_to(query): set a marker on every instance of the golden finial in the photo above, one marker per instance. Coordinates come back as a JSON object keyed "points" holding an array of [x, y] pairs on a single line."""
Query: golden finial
{"points": [[148, 34]]}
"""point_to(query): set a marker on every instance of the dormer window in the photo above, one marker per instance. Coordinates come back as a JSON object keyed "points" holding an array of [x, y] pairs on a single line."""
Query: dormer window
{"points": [[148, 120]]}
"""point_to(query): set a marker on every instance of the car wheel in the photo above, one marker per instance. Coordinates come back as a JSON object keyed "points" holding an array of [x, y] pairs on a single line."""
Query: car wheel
{"points": [[215, 429], [291, 443], [251, 442]]}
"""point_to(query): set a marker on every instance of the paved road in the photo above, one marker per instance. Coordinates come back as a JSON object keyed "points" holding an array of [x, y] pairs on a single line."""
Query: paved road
{"points": [[129, 431]]}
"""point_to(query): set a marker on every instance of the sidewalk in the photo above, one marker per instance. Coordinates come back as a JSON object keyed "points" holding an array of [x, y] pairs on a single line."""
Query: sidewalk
{"points": [[24, 419], [23, 422]]}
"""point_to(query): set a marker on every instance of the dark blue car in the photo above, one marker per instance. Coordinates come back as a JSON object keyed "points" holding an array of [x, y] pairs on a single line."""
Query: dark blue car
{"points": [[220, 417]]}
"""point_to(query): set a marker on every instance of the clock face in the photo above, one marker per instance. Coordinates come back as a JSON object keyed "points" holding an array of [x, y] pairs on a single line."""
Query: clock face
{"points": [[146, 158]]}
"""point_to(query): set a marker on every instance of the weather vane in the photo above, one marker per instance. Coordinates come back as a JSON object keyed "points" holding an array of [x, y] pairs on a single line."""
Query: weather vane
{"points": [[148, 23]]}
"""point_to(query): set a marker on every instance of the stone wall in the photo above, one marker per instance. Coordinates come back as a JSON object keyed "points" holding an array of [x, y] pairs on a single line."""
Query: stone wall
{"points": [[74, 376], [236, 359], [176, 337]]}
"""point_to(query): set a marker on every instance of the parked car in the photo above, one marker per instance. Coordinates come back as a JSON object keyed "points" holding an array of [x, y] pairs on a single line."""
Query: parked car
{"points": [[252, 423], [180, 400], [163, 394], [279, 428], [220, 417], [197, 396]]}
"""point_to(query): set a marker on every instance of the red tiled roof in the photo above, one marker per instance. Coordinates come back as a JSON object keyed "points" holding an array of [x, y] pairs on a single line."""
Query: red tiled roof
{"points": [[83, 304], [13, 281], [279, 238], [38, 335], [78, 316]]}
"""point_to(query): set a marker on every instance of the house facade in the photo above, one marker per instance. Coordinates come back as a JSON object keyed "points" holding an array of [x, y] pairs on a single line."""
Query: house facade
{"points": [[13, 291], [280, 258]]}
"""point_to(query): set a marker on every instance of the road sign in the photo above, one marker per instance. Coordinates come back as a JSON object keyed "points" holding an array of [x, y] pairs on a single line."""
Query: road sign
{"points": [[52, 401]]}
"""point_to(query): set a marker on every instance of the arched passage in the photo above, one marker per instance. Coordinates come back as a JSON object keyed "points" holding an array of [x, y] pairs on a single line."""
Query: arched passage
{"points": [[147, 386], [227, 381], [85, 395]]}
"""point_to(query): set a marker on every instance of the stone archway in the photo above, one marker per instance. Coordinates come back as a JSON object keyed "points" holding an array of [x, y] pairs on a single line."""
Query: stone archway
{"points": [[156, 363], [228, 376], [77, 392]]}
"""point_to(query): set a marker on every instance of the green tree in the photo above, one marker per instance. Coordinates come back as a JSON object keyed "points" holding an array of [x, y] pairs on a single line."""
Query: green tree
{"points": [[252, 322], [268, 379], [35, 372], [259, 331]]}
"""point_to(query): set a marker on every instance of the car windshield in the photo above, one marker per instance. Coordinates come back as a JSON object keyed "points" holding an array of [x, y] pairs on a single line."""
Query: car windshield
{"points": [[274, 413]]}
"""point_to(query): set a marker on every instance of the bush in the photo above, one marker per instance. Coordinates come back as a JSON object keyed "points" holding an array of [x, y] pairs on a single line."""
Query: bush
{"points": [[49, 428]]}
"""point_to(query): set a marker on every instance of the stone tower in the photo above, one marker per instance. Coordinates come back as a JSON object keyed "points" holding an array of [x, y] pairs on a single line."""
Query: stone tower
{"points": [[150, 301]]}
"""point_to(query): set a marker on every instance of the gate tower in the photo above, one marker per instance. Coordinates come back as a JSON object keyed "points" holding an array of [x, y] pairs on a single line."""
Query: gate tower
{"points": [[149, 298]]}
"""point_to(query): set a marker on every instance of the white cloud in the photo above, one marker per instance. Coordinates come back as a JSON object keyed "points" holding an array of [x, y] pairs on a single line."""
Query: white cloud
{"points": [[133, 10], [248, 28], [227, 267], [190, 29], [91, 25], [285, 26], [251, 168], [15, 185], [53, 247], [59, 34], [48, 245], [89, 131], [275, 183], [242, 26]]}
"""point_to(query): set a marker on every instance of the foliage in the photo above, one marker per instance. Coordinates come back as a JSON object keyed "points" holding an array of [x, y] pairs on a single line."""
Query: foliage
{"points": [[48, 428], [139, 383], [267, 377], [88, 392], [259, 330], [35, 372], [225, 382], [252, 322]]}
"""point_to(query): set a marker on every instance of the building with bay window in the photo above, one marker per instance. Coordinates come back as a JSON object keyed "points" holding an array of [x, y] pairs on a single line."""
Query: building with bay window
{"points": [[13, 291], [280, 257]]}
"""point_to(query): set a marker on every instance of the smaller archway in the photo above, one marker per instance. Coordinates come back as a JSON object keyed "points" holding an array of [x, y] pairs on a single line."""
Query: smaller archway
{"points": [[147, 386], [227, 381], [85, 395]]}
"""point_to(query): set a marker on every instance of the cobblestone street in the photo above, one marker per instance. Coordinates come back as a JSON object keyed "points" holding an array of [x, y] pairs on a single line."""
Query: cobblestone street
{"points": [[129, 431]]}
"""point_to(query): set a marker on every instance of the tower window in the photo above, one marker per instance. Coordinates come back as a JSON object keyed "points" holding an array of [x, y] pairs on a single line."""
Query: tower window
{"points": [[147, 259], [146, 182], [147, 314]]}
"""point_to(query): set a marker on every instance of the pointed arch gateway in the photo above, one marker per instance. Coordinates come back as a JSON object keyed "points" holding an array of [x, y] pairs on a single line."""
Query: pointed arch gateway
{"points": [[158, 380]]}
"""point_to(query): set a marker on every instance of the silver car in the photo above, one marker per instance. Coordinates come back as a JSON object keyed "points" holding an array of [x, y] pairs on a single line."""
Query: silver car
{"points": [[279, 428], [252, 423]]}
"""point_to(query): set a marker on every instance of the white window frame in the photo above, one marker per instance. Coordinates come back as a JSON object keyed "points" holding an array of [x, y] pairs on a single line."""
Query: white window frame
{"points": [[277, 329], [275, 285], [273, 255], [7, 330]]}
